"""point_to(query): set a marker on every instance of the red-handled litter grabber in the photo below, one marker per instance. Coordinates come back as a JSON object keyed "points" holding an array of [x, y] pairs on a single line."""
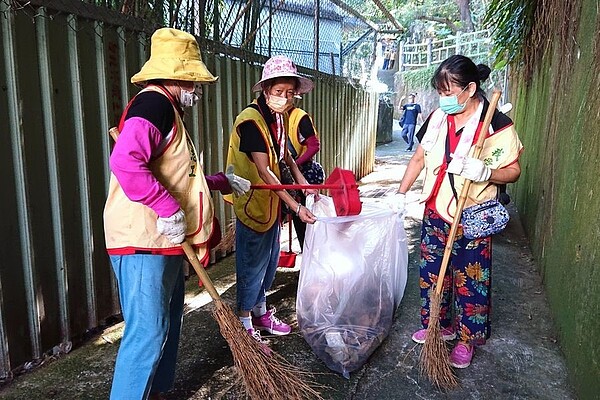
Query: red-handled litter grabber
{"points": [[287, 259], [342, 189]]}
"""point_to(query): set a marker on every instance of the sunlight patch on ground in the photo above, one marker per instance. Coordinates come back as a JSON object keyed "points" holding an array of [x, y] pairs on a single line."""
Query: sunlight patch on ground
{"points": [[193, 303]]}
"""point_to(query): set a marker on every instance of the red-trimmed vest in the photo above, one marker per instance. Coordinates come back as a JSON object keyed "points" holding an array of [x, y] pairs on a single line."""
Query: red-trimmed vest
{"points": [[130, 227], [501, 148], [258, 209], [294, 134]]}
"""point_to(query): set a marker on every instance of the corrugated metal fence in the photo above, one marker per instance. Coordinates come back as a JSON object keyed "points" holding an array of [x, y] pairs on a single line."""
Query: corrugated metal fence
{"points": [[64, 79]]}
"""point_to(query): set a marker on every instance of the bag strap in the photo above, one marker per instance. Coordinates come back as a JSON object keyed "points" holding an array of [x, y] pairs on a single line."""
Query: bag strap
{"points": [[448, 159], [291, 148], [451, 175], [273, 138]]}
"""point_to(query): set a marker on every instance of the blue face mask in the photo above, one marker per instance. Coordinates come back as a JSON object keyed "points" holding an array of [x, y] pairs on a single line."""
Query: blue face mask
{"points": [[450, 104]]}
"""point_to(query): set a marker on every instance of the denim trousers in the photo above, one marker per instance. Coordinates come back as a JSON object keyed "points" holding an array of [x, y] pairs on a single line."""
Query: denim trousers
{"points": [[151, 291], [256, 259], [408, 134]]}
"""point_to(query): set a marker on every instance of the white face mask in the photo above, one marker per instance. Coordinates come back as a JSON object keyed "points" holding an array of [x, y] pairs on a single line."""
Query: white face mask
{"points": [[278, 104], [188, 99]]}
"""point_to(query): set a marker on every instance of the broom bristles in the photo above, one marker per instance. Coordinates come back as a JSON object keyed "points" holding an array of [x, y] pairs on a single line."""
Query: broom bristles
{"points": [[434, 360], [264, 373], [227, 242]]}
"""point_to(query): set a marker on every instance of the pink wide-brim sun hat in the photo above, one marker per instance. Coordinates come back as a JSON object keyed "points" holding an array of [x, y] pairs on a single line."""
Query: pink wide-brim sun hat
{"points": [[282, 67]]}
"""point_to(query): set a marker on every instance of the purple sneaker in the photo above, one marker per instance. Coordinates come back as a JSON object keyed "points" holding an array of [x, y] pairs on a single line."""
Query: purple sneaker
{"points": [[421, 335], [461, 355], [270, 323]]}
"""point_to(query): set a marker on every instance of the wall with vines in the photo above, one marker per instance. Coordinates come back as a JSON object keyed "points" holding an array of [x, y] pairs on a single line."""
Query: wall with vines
{"points": [[557, 114]]}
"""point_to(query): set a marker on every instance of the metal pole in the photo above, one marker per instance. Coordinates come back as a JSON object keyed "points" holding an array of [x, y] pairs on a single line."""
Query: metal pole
{"points": [[23, 234], [216, 22], [49, 116], [429, 51], [401, 56], [83, 163], [270, 26], [316, 30], [332, 63], [201, 22]]}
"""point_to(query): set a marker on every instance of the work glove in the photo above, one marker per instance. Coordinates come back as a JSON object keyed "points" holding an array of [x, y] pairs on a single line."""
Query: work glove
{"points": [[238, 184], [505, 109], [172, 227], [470, 168], [397, 203]]}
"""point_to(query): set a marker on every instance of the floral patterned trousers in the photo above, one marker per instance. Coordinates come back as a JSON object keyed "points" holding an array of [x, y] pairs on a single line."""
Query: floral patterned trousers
{"points": [[466, 283]]}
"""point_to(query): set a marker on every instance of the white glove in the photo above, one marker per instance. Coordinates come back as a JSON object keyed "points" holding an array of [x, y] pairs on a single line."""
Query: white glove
{"points": [[238, 184], [470, 168], [172, 227], [505, 109], [398, 203]]}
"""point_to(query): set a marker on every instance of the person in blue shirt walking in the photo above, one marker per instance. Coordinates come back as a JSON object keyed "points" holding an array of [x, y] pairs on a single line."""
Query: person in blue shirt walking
{"points": [[408, 122]]}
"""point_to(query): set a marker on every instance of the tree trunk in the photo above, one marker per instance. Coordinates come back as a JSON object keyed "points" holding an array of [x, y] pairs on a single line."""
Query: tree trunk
{"points": [[465, 15]]}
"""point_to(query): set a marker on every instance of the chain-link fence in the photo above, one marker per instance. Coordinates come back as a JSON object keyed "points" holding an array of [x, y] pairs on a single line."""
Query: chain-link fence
{"points": [[315, 34], [323, 35]]}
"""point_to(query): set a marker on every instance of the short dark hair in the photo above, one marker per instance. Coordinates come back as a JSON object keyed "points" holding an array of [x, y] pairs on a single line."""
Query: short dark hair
{"points": [[461, 71]]}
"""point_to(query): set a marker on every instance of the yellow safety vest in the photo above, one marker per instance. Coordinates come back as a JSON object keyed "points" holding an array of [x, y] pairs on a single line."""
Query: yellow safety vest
{"points": [[258, 209], [294, 134]]}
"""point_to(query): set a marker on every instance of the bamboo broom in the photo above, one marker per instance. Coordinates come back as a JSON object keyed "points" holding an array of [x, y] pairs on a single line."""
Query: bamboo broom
{"points": [[434, 360], [265, 374]]}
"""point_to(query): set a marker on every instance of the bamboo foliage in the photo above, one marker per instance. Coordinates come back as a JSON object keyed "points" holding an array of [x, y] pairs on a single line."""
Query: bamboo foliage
{"points": [[202, 18], [197, 17], [523, 30], [512, 22]]}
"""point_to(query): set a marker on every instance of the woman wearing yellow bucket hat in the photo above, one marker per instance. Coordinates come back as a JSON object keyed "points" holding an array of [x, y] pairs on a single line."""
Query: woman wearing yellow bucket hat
{"points": [[158, 197], [257, 146]]}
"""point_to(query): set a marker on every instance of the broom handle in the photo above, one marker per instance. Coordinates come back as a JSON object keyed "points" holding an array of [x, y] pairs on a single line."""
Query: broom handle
{"points": [[290, 232], [465, 191], [191, 255]]}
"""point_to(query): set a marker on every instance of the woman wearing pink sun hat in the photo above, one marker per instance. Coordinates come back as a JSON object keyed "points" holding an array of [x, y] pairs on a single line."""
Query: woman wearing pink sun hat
{"points": [[257, 148], [283, 67]]}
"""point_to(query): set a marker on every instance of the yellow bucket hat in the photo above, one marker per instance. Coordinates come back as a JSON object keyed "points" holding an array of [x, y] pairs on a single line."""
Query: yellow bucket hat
{"points": [[174, 54]]}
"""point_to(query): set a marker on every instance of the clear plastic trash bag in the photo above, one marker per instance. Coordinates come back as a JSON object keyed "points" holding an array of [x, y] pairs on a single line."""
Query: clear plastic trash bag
{"points": [[352, 278]]}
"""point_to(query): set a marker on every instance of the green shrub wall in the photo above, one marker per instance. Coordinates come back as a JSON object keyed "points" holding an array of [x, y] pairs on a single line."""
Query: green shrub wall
{"points": [[557, 116]]}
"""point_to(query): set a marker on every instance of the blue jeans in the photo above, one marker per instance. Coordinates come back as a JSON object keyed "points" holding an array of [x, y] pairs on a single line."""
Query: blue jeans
{"points": [[256, 258], [151, 290], [408, 134]]}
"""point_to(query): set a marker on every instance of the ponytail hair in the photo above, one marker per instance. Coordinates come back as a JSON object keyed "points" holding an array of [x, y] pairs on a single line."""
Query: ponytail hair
{"points": [[461, 71]]}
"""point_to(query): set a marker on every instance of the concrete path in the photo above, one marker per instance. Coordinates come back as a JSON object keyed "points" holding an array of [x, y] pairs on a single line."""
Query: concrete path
{"points": [[522, 360]]}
